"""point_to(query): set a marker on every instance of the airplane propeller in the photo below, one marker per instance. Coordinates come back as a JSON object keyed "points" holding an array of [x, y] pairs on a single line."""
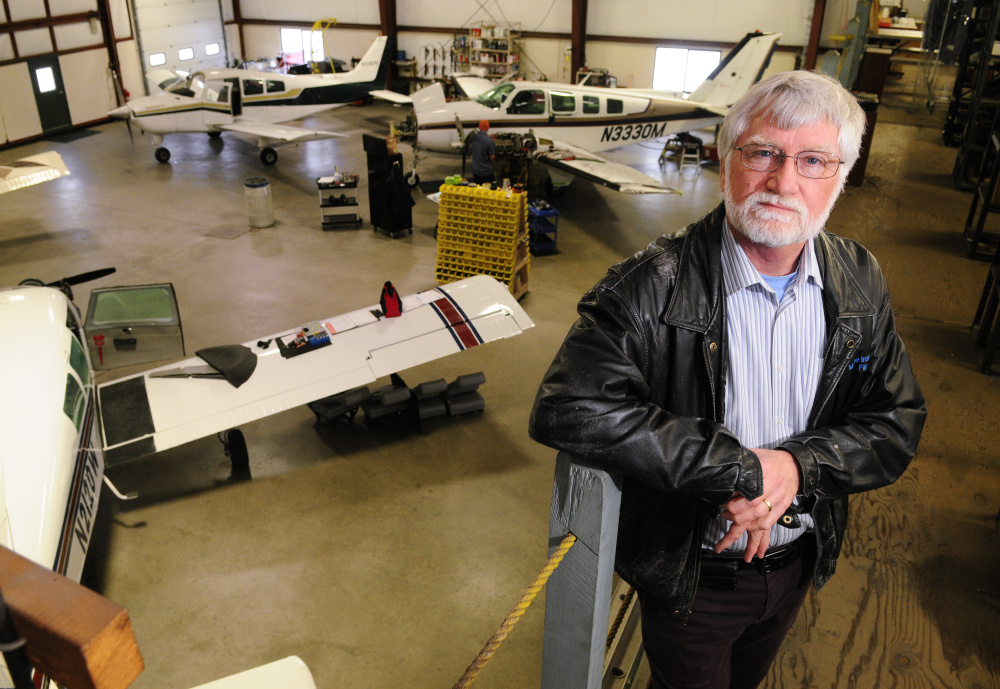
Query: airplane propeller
{"points": [[66, 283], [83, 277], [124, 113]]}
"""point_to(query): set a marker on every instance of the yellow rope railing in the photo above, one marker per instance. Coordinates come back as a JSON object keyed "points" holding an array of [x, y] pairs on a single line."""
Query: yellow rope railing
{"points": [[626, 601], [514, 615]]}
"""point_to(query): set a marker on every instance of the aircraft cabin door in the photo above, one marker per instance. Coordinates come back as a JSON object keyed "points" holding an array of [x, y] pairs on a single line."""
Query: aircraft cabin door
{"points": [[133, 325], [218, 103]]}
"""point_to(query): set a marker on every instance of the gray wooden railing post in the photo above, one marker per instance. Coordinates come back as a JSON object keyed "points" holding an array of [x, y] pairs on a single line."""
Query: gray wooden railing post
{"points": [[585, 501]]}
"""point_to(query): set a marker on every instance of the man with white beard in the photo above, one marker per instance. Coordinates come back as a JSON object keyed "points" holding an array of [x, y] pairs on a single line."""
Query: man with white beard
{"points": [[744, 379]]}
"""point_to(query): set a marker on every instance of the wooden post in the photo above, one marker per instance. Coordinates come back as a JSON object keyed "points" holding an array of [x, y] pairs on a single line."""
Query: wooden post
{"points": [[73, 635], [578, 38], [819, 8], [585, 501]]}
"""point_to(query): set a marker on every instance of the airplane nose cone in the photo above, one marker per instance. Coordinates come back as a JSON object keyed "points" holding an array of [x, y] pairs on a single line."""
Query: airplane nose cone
{"points": [[121, 113]]}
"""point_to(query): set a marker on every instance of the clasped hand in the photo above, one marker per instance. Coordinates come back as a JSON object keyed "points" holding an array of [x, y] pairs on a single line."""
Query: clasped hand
{"points": [[753, 517]]}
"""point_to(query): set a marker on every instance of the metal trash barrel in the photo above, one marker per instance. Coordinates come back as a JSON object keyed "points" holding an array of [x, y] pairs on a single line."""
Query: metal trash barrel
{"points": [[260, 205]]}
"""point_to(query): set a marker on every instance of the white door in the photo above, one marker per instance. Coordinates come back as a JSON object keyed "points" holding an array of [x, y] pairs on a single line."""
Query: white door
{"points": [[180, 34]]}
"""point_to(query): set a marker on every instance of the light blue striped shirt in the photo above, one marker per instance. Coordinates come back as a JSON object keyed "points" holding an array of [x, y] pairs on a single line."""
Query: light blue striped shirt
{"points": [[776, 345]]}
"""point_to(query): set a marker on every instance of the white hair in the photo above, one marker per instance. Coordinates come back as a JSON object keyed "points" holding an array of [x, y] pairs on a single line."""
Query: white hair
{"points": [[790, 100]]}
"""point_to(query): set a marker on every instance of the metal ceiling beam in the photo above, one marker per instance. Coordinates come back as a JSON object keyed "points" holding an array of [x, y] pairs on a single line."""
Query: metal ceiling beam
{"points": [[45, 22]]}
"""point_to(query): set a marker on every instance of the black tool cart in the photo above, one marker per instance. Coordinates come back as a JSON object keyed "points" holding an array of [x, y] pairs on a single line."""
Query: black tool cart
{"points": [[389, 200]]}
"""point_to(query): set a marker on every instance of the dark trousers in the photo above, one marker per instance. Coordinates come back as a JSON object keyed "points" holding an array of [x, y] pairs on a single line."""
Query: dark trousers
{"points": [[481, 179], [731, 637]]}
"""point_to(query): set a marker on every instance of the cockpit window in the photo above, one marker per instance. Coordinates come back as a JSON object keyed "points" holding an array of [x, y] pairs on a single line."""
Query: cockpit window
{"points": [[73, 403], [78, 360], [528, 103], [253, 87], [496, 96]]}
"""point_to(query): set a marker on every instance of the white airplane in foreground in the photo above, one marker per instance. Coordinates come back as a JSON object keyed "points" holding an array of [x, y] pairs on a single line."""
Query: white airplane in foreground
{"points": [[51, 444], [58, 427], [255, 103], [569, 125]]}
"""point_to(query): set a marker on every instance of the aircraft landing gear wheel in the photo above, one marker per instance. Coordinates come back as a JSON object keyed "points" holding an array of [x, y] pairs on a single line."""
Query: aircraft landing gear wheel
{"points": [[214, 135], [552, 190], [412, 180], [269, 156], [162, 154], [236, 449]]}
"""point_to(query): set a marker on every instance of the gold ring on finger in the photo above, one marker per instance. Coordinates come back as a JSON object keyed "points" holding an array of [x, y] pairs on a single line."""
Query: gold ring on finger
{"points": [[768, 503]]}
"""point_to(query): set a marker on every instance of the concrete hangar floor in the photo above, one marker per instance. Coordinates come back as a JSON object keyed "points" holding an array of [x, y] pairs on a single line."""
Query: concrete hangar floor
{"points": [[386, 558]]}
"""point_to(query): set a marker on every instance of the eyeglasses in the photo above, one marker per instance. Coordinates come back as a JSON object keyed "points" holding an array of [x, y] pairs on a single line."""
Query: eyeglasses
{"points": [[811, 164]]}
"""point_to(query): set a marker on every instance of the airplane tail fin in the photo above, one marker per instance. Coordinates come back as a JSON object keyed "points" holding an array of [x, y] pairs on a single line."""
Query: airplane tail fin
{"points": [[741, 69], [374, 66]]}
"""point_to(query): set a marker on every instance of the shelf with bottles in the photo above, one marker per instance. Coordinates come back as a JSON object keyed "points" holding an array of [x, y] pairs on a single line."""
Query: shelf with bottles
{"points": [[460, 52], [510, 60], [495, 47]]}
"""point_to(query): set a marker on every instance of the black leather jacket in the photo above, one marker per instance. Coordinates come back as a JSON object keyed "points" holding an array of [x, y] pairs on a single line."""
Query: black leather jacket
{"points": [[638, 388]]}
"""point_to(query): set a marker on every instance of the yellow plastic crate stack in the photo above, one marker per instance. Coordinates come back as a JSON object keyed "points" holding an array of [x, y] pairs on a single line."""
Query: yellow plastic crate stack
{"points": [[482, 232]]}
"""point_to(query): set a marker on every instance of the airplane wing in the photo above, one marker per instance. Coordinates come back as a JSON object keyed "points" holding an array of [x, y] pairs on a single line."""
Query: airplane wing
{"points": [[171, 405], [31, 170], [583, 163], [391, 96], [272, 133]]}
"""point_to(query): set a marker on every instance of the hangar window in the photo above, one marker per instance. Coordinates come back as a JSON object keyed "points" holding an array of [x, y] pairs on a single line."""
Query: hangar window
{"points": [[157, 59], [615, 106], [682, 70], [185, 54], [212, 49], [591, 105], [253, 87], [562, 102], [299, 46], [275, 86]]}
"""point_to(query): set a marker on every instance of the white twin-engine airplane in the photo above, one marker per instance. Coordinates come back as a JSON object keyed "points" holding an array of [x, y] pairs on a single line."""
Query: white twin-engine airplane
{"points": [[255, 103], [572, 123], [58, 427]]}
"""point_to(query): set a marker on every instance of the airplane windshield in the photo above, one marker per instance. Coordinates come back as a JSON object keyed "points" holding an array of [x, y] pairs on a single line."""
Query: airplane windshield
{"points": [[193, 87], [496, 96], [78, 360]]}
